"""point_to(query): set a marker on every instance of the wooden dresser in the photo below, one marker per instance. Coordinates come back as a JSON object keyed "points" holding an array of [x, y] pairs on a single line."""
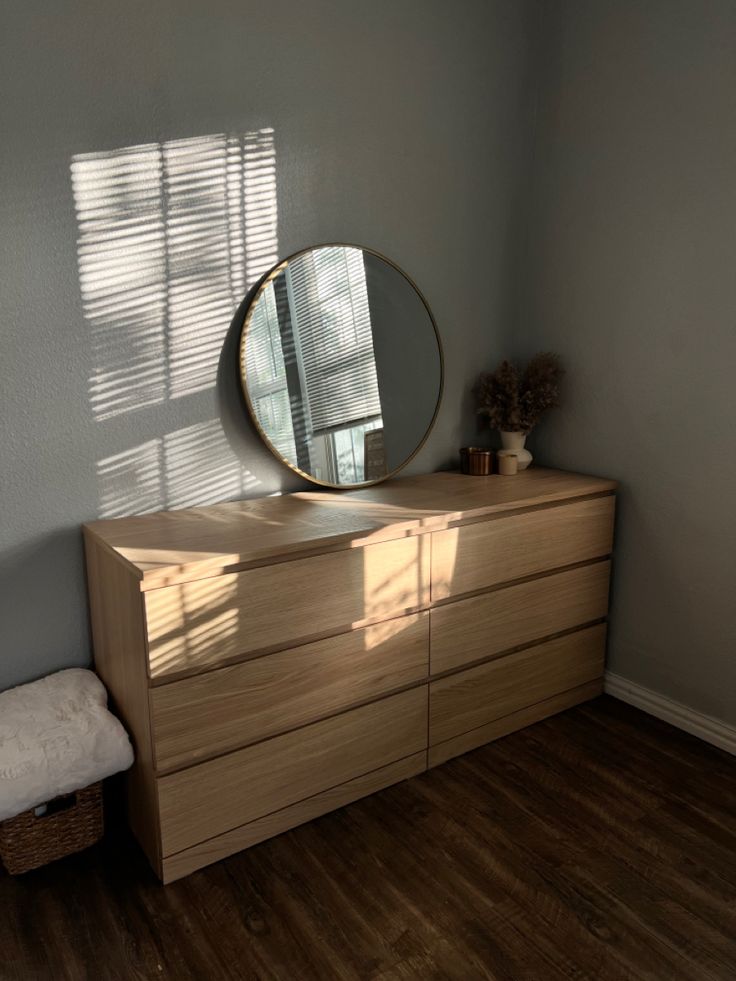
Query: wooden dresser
{"points": [[277, 658]]}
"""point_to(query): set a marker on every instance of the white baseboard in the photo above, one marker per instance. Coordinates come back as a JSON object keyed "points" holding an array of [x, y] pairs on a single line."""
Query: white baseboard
{"points": [[704, 726]]}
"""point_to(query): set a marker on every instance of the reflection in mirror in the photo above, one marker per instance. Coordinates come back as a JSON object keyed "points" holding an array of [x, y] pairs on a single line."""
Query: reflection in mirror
{"points": [[341, 365]]}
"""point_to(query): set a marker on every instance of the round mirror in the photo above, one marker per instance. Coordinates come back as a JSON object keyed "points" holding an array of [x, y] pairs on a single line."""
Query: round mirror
{"points": [[341, 365]]}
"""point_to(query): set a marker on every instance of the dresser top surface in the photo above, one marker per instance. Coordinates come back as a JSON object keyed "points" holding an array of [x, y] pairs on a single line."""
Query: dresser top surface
{"points": [[174, 546]]}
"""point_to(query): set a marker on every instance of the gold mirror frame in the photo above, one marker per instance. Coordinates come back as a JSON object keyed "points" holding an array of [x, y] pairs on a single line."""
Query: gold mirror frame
{"points": [[262, 285]]}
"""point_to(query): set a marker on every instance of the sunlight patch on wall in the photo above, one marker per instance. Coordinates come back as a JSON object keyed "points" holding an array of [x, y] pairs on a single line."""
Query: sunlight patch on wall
{"points": [[189, 467], [259, 203], [171, 235], [122, 275]]}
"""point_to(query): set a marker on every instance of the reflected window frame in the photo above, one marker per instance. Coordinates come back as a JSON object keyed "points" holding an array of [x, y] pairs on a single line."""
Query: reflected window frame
{"points": [[256, 294]]}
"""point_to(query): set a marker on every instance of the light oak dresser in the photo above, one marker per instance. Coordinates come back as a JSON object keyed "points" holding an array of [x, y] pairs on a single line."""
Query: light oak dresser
{"points": [[277, 658]]}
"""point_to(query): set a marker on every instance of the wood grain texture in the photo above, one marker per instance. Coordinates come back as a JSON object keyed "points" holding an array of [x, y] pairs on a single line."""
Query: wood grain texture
{"points": [[202, 624], [214, 849], [483, 626], [472, 698], [214, 797], [597, 845], [306, 671], [116, 613], [476, 556], [221, 710], [527, 716], [177, 546]]}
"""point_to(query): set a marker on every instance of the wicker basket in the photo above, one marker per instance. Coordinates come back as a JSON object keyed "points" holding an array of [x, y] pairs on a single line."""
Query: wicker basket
{"points": [[70, 823]]}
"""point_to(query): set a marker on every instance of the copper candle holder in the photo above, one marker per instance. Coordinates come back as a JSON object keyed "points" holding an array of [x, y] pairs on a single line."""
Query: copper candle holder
{"points": [[476, 461]]}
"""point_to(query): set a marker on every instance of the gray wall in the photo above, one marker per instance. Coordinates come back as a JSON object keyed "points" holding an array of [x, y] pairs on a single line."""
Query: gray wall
{"points": [[155, 158], [630, 276]]}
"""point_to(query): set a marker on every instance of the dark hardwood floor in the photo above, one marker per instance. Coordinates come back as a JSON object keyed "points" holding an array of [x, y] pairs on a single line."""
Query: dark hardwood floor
{"points": [[598, 844]]}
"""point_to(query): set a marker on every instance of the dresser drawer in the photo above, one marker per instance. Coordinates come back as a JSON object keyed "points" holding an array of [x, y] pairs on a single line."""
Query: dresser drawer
{"points": [[477, 628], [490, 552], [474, 697], [230, 707], [213, 797], [204, 623]]}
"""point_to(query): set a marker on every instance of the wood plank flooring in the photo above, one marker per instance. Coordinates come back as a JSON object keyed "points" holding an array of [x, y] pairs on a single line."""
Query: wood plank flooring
{"points": [[598, 844]]}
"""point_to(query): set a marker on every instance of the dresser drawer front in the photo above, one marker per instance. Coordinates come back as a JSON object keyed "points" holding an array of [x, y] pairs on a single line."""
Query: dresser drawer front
{"points": [[201, 624], [479, 695], [480, 627], [491, 552], [230, 707], [214, 797]]}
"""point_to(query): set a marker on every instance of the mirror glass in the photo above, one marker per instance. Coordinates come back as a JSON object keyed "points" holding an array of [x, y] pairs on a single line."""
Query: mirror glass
{"points": [[341, 365]]}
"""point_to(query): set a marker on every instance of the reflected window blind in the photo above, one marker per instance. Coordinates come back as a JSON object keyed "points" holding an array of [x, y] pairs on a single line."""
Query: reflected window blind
{"points": [[330, 306], [266, 375]]}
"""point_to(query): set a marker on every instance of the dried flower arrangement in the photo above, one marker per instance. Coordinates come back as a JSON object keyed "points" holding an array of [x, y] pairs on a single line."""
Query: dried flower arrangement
{"points": [[514, 400]]}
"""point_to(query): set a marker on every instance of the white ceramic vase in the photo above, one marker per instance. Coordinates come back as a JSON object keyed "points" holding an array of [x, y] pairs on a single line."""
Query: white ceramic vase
{"points": [[515, 442]]}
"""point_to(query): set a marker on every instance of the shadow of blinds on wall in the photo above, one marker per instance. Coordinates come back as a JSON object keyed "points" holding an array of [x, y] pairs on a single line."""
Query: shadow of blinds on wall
{"points": [[170, 237], [335, 336]]}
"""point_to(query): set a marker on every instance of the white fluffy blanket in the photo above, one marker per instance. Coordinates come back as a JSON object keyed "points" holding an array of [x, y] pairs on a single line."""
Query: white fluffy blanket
{"points": [[57, 736]]}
